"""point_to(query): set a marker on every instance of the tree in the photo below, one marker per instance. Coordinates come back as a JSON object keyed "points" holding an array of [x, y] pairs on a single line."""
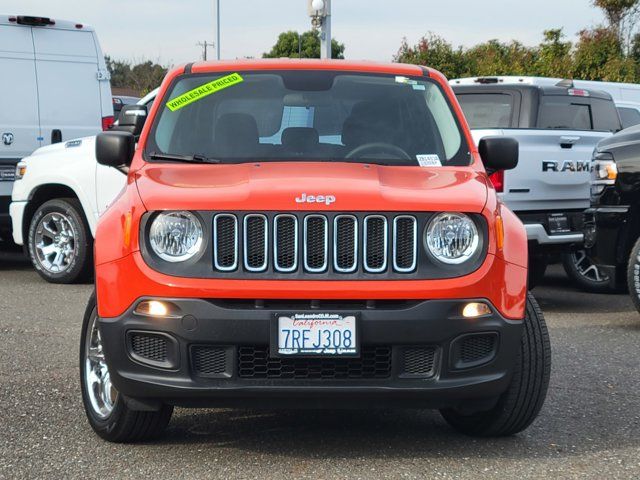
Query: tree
{"points": [[306, 45], [143, 76], [598, 55], [554, 56], [622, 18], [435, 52]]}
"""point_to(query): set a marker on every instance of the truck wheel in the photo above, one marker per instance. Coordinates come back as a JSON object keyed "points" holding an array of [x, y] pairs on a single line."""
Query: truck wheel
{"points": [[60, 243], [633, 275], [518, 407], [108, 414], [585, 274]]}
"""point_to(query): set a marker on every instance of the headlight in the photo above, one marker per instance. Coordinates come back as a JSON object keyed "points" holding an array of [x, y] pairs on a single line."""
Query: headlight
{"points": [[605, 170], [176, 236], [452, 238], [21, 169]]}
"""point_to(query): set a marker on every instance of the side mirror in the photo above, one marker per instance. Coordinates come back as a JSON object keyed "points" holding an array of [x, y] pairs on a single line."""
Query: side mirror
{"points": [[115, 149], [499, 153], [131, 119]]}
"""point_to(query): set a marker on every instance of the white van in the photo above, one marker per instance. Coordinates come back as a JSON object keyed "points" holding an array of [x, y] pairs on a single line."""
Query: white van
{"points": [[625, 95], [54, 86]]}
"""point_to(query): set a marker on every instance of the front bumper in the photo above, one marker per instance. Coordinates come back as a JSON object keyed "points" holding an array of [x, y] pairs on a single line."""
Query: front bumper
{"points": [[16, 210], [411, 355]]}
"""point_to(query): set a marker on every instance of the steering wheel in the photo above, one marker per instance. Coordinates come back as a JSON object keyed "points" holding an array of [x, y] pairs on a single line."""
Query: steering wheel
{"points": [[378, 147]]}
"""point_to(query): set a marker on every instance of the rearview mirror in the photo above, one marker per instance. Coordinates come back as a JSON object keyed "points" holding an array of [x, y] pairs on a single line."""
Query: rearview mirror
{"points": [[131, 119], [499, 153], [115, 149]]}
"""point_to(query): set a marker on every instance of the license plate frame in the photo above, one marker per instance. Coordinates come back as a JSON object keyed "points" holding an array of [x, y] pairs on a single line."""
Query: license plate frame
{"points": [[352, 319], [558, 224]]}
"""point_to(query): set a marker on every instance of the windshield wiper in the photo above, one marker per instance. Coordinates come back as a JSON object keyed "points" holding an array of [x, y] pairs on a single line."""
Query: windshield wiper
{"points": [[183, 158]]}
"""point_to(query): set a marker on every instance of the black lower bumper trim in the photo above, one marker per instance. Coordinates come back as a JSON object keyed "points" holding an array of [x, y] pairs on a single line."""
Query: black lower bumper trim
{"points": [[410, 356]]}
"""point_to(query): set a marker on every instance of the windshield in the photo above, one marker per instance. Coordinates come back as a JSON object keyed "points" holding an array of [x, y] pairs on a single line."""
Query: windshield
{"points": [[308, 115]]}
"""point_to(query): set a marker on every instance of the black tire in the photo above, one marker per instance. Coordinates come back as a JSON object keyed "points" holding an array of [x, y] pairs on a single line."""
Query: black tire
{"points": [[633, 275], [585, 274], [537, 269], [518, 407], [80, 268], [122, 425]]}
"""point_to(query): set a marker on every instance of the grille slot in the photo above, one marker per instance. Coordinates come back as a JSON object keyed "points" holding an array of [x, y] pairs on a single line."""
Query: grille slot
{"points": [[345, 243], [255, 242], [474, 350], [405, 236], [225, 239], [375, 244], [285, 241], [148, 346], [419, 361], [316, 243], [254, 363], [209, 361]]}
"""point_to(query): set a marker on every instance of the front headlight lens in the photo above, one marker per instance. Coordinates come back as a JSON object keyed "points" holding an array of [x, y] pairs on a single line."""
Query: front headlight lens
{"points": [[605, 170], [176, 236], [452, 238]]}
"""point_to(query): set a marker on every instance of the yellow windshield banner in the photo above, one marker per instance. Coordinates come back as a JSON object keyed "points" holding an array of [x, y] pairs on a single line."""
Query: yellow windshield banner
{"points": [[203, 91]]}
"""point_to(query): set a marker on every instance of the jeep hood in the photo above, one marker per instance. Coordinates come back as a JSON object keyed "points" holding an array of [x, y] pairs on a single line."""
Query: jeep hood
{"points": [[275, 186]]}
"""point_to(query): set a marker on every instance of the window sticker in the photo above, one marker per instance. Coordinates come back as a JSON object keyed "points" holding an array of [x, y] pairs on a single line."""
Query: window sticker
{"points": [[432, 160], [419, 87], [204, 91], [406, 81]]}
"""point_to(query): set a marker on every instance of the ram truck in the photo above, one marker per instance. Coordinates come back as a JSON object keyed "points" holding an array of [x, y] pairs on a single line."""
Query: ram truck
{"points": [[557, 127], [309, 233], [612, 224], [58, 195]]}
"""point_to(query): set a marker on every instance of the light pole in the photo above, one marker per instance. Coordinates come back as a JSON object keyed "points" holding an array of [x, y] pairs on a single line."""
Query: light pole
{"points": [[217, 29], [320, 13]]}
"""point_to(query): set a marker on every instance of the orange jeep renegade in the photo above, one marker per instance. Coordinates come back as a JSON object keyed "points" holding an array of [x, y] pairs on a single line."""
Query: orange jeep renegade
{"points": [[309, 233]]}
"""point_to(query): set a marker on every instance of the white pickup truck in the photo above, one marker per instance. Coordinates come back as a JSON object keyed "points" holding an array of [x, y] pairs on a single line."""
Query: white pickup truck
{"points": [[557, 127], [58, 195]]}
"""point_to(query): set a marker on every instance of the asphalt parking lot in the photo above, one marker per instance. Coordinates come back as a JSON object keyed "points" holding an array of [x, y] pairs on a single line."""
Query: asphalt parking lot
{"points": [[589, 427]]}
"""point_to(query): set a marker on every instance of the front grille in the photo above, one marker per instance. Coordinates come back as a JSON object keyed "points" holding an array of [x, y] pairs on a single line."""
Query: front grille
{"points": [[149, 346], [419, 361], [254, 363], [208, 361], [7, 173], [296, 243]]}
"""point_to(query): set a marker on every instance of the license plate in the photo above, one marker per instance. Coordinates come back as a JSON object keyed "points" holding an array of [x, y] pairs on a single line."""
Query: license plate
{"points": [[559, 223], [317, 334]]}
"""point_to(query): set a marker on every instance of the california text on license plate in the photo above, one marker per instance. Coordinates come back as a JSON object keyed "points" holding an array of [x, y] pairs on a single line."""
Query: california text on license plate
{"points": [[313, 334]]}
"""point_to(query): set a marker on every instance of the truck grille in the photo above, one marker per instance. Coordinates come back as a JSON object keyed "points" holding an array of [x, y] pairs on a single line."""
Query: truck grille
{"points": [[315, 243]]}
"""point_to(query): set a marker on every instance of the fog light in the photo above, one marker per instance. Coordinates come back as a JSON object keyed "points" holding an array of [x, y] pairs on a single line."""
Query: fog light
{"points": [[475, 310], [156, 308]]}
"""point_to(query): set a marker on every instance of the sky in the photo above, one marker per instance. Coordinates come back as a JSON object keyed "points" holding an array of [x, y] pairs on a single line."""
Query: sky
{"points": [[167, 31]]}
